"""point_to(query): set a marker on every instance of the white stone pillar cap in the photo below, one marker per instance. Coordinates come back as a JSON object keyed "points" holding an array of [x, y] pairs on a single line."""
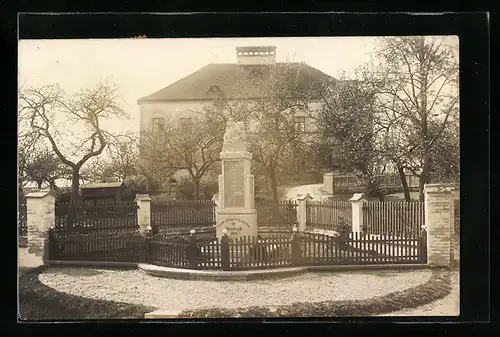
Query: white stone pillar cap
{"points": [[357, 197], [40, 194], [142, 197], [436, 188]]}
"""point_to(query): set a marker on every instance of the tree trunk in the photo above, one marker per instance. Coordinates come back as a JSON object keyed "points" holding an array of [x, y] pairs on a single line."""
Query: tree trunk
{"points": [[424, 176], [372, 187], [196, 186], [404, 183], [52, 185], [39, 184], [273, 188], [75, 184]]}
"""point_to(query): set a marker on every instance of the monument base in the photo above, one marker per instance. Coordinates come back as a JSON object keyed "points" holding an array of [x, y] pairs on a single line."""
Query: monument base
{"points": [[238, 223]]}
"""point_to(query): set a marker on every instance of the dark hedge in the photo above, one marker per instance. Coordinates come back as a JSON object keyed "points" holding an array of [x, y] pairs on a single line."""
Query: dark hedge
{"points": [[437, 287]]}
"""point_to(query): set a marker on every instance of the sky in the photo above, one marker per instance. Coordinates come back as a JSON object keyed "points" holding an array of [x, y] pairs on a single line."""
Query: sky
{"points": [[140, 67]]}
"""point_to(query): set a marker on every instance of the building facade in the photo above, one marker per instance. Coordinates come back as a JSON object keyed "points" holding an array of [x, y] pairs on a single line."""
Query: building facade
{"points": [[186, 97]]}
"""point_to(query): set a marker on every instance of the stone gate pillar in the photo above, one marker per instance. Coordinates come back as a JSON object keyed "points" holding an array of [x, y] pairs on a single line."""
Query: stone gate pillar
{"points": [[40, 217], [143, 202], [357, 202], [438, 204], [302, 210]]}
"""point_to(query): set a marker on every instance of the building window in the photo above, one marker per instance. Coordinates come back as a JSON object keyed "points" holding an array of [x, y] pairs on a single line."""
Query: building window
{"points": [[300, 123], [185, 121], [158, 124]]}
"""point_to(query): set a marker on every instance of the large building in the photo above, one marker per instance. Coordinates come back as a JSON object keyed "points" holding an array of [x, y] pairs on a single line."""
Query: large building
{"points": [[235, 81]]}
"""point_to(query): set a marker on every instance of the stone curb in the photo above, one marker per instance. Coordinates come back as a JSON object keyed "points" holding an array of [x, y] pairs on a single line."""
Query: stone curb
{"points": [[211, 275]]}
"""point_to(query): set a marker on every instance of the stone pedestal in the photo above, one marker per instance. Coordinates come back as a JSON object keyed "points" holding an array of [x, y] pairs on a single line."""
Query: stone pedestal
{"points": [[236, 205], [439, 222]]}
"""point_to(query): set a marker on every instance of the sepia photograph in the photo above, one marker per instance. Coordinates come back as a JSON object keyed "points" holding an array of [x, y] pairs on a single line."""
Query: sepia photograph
{"points": [[251, 177]]}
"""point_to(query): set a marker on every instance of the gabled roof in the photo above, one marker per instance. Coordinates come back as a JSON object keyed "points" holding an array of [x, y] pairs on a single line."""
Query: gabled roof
{"points": [[233, 80], [101, 185]]}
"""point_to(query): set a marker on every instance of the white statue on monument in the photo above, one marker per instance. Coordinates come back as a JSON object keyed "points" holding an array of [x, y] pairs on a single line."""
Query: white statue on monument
{"points": [[235, 132]]}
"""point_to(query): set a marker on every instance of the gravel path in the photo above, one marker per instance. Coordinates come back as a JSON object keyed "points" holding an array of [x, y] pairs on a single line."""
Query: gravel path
{"points": [[134, 286]]}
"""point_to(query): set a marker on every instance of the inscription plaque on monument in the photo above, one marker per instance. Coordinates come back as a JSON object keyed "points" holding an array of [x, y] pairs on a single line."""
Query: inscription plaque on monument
{"points": [[234, 184]]}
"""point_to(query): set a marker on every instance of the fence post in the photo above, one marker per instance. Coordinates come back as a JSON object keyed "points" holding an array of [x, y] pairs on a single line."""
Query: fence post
{"points": [[423, 246], [302, 210], [143, 202], [224, 247], [193, 250], [296, 253], [215, 200], [438, 201], [52, 244], [147, 239], [40, 217], [357, 202]]}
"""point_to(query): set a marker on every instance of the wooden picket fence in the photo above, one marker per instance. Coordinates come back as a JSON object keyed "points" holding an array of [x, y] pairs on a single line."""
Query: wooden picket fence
{"points": [[175, 214], [96, 216], [273, 251], [285, 250], [96, 246], [285, 215], [22, 222], [329, 214], [358, 248], [169, 251], [456, 214], [393, 217]]}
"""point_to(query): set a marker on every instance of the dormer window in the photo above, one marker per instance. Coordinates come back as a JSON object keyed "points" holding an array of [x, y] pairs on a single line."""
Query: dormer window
{"points": [[214, 89]]}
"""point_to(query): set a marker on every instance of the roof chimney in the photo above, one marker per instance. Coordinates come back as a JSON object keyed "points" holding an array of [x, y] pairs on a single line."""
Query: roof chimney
{"points": [[256, 55]]}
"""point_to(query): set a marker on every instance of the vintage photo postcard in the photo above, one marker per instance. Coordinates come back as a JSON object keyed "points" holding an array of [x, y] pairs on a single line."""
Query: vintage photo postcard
{"points": [[238, 177]]}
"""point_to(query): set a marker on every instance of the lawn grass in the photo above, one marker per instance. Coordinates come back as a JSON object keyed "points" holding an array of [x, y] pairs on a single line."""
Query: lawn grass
{"points": [[40, 302]]}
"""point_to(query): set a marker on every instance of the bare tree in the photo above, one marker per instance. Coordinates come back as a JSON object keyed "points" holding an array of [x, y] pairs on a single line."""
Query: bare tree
{"points": [[121, 160], [194, 145], [155, 165], [346, 139], [41, 166], [71, 124], [124, 155], [278, 140], [418, 99]]}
